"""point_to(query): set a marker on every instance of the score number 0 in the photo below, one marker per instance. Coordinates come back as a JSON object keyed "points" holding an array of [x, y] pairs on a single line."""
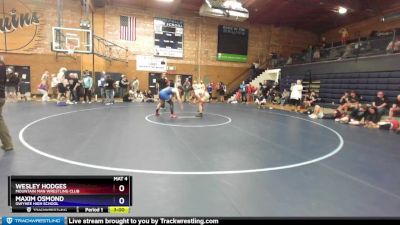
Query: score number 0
{"points": [[121, 200]]}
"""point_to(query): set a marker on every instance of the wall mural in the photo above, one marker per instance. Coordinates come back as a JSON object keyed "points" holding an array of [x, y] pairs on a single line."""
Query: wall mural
{"points": [[21, 27]]}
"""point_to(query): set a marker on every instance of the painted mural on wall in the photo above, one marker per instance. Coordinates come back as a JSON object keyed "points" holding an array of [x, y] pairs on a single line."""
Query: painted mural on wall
{"points": [[21, 26]]}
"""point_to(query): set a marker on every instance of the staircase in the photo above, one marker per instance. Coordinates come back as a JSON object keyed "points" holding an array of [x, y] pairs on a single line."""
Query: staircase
{"points": [[265, 75]]}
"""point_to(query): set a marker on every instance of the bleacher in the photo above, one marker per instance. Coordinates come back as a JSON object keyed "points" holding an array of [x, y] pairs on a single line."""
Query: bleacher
{"points": [[367, 84]]}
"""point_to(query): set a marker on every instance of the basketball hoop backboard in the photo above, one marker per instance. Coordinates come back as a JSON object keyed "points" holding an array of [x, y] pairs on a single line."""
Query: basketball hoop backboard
{"points": [[72, 40]]}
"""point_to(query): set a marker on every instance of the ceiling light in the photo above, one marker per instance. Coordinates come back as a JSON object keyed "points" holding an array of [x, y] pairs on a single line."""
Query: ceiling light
{"points": [[342, 10], [232, 4], [391, 17]]}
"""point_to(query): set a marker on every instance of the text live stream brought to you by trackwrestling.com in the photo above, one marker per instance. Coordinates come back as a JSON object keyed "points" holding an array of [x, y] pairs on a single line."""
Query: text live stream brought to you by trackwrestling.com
{"points": [[42, 220]]}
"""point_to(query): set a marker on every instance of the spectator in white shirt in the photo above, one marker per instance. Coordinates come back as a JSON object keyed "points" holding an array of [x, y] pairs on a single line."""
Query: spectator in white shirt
{"points": [[296, 94], [53, 84]]}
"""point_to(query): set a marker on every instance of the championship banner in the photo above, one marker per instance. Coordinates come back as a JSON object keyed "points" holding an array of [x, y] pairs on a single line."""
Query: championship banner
{"points": [[151, 63], [168, 37]]}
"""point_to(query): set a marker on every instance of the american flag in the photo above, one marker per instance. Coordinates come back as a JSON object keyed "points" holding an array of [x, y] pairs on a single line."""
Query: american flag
{"points": [[127, 28]]}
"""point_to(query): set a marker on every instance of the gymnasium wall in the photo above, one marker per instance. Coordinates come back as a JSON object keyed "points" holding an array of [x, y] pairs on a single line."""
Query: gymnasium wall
{"points": [[362, 29], [200, 42]]}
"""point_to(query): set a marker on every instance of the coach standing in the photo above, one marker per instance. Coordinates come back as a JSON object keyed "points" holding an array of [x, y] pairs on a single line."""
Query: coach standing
{"points": [[4, 134]]}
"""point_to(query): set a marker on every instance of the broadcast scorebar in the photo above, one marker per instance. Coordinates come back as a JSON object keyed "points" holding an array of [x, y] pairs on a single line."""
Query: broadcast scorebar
{"points": [[74, 194]]}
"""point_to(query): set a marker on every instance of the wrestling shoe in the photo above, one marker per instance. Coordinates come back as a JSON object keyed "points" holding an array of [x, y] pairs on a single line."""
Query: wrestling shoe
{"points": [[173, 116], [199, 115], [7, 148], [157, 114]]}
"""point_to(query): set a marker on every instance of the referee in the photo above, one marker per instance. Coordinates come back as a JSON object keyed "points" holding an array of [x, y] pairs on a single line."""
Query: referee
{"points": [[161, 84], [4, 133]]}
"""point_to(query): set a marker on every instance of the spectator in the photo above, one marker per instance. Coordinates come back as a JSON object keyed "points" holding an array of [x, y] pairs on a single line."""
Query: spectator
{"points": [[45, 76], [20, 88], [101, 84], [249, 91], [336, 115], [186, 90], [87, 85], [237, 98], [109, 90], [117, 89], [148, 96], [139, 96], [309, 54], [296, 94], [289, 61], [395, 107], [135, 85], [348, 52], [317, 113], [53, 84], [4, 133], [260, 100], [353, 102], [202, 86], [393, 46], [344, 35], [309, 100], [243, 91], [322, 43], [285, 97], [221, 91], [344, 99], [357, 115], [128, 97], [317, 54], [63, 91], [274, 59], [162, 82], [123, 84], [12, 86], [372, 117], [277, 97], [60, 80], [73, 87], [79, 89], [389, 124], [209, 90], [265, 88], [8, 88], [252, 70], [380, 103], [43, 89], [178, 82], [270, 95]]}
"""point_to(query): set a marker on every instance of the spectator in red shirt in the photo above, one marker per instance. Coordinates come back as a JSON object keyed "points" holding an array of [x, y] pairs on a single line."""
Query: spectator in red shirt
{"points": [[395, 107], [249, 90]]}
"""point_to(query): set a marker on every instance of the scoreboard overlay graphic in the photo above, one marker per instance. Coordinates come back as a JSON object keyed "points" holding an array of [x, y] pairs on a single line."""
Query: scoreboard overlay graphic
{"points": [[56, 194]]}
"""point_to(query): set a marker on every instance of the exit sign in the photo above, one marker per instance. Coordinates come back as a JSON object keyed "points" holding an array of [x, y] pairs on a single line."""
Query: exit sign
{"points": [[171, 68]]}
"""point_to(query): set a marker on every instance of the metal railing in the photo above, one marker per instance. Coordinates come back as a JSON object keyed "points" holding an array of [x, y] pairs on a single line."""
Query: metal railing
{"points": [[372, 46], [109, 50]]}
